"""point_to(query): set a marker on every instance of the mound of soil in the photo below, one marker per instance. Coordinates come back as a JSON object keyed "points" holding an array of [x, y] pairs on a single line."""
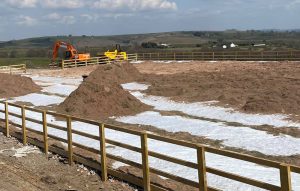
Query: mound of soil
{"points": [[16, 85], [101, 95], [249, 87]]}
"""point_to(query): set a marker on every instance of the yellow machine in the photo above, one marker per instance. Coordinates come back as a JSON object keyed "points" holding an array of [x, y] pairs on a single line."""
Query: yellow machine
{"points": [[118, 54]]}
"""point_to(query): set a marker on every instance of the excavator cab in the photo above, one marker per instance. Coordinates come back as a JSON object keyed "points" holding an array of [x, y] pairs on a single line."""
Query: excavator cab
{"points": [[68, 55], [71, 55]]}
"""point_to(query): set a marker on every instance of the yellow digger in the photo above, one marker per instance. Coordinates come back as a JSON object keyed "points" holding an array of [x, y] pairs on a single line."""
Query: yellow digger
{"points": [[117, 54]]}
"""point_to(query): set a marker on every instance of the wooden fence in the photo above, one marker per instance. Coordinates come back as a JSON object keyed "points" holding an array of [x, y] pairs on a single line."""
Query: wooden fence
{"points": [[94, 61], [145, 181], [224, 55], [13, 69]]}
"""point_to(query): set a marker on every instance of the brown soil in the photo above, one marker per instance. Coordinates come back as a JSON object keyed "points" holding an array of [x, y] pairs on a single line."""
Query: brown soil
{"points": [[101, 96], [35, 173], [16, 85], [68, 72], [249, 87]]}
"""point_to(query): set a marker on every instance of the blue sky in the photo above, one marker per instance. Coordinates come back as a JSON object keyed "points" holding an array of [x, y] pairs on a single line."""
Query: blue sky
{"points": [[31, 18]]}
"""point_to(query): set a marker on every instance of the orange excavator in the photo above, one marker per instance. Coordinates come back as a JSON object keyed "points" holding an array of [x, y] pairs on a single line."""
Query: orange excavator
{"points": [[71, 52]]}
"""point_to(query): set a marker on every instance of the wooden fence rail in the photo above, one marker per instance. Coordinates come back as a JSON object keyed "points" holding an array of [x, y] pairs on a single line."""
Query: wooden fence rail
{"points": [[94, 61], [145, 182], [223, 55], [13, 68]]}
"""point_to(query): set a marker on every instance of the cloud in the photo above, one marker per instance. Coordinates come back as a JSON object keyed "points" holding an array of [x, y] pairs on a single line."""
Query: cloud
{"points": [[292, 4], [22, 3], [135, 5], [53, 16], [69, 4], [26, 20], [68, 20], [61, 19], [89, 18]]}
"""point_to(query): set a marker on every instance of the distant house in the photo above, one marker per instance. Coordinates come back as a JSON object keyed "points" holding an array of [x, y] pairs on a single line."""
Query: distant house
{"points": [[165, 45], [258, 45], [232, 45], [224, 46]]}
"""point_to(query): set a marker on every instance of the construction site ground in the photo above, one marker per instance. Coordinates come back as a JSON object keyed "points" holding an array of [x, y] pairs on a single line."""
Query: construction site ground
{"points": [[26, 168], [247, 87]]}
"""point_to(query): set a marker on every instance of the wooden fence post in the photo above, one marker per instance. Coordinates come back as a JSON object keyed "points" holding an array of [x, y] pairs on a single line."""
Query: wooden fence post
{"points": [[136, 57], [25, 68], [143, 56], [201, 169], [24, 125], [249, 55], [285, 178], [69, 133], [45, 133], [213, 56], [62, 64], [145, 162], [103, 153], [86, 62], [6, 120]]}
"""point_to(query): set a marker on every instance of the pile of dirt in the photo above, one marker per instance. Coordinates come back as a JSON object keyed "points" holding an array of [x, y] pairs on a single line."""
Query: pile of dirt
{"points": [[16, 85], [249, 87], [101, 95]]}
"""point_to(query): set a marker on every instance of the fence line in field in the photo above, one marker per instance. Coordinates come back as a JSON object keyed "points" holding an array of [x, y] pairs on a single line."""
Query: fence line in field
{"points": [[13, 68], [145, 182], [224, 55], [95, 60]]}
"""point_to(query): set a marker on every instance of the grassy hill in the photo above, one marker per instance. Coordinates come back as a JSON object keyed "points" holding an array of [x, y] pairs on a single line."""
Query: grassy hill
{"points": [[191, 38], [41, 47]]}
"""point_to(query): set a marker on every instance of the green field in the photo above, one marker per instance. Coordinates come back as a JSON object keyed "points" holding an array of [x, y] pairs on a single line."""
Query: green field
{"points": [[30, 62]]}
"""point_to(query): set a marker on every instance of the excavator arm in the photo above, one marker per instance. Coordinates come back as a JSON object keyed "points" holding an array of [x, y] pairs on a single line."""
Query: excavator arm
{"points": [[71, 52]]}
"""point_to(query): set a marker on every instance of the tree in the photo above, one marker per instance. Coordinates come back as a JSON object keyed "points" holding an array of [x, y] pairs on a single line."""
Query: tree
{"points": [[13, 54], [149, 45], [36, 53]]}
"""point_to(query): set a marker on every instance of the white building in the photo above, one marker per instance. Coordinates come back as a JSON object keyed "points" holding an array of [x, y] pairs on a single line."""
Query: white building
{"points": [[232, 45], [258, 45]]}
